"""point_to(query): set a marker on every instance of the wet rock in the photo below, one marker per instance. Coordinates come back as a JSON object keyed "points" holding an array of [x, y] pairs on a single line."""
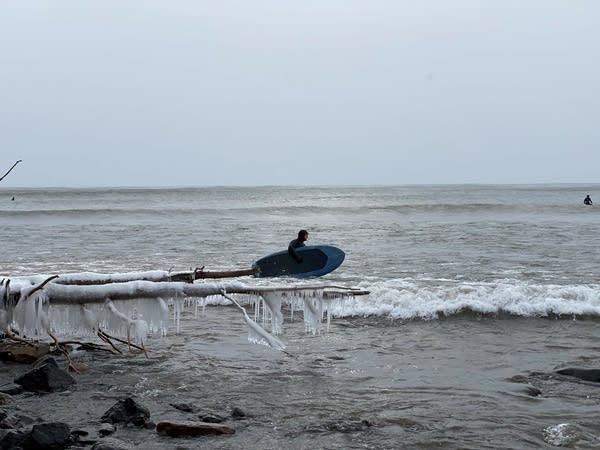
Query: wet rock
{"points": [[127, 411], [52, 435], [84, 436], [185, 407], [90, 434], [237, 413], [532, 391], [106, 429], [188, 428], [12, 440], [111, 444], [518, 379], [582, 374], [46, 377], [211, 418], [23, 353], [11, 389]]}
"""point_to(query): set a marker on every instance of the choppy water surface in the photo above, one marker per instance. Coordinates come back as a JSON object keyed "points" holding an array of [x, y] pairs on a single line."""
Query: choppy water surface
{"points": [[471, 285]]}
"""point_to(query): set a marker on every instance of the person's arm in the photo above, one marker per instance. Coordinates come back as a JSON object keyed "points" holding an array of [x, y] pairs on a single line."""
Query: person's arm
{"points": [[292, 252]]}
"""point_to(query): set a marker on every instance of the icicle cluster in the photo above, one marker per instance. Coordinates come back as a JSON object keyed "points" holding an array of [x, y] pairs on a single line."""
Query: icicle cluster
{"points": [[136, 309]]}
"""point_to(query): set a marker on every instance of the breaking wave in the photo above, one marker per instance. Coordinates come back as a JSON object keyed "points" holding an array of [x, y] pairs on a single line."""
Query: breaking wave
{"points": [[434, 299]]}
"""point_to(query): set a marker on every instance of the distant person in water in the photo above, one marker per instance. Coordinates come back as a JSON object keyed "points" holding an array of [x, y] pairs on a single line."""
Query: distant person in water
{"points": [[297, 243], [587, 200]]}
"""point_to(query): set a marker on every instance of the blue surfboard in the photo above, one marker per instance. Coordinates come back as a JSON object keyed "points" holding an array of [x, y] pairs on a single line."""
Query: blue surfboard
{"points": [[317, 260]]}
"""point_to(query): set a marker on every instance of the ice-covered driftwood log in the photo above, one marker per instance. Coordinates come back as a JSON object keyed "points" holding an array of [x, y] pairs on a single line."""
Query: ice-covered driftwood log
{"points": [[134, 305], [190, 276]]}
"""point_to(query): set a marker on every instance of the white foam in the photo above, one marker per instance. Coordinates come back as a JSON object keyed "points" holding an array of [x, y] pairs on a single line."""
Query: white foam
{"points": [[561, 435], [419, 299]]}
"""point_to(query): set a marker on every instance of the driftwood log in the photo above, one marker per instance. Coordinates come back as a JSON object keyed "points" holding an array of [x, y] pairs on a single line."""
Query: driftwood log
{"points": [[152, 275], [79, 295]]}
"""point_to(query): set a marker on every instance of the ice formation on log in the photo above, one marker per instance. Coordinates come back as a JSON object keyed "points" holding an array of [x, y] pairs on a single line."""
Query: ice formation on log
{"points": [[133, 308]]}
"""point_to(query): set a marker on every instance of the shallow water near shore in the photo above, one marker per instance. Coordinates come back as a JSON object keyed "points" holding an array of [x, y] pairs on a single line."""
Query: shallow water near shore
{"points": [[476, 297], [368, 383]]}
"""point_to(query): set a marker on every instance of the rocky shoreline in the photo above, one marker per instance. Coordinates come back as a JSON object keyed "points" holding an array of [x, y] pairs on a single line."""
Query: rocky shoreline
{"points": [[44, 381]]}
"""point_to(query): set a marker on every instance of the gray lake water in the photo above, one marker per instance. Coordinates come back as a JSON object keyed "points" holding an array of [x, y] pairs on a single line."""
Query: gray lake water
{"points": [[470, 287]]}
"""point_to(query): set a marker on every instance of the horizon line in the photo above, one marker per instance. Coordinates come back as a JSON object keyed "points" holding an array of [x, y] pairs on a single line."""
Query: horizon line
{"points": [[309, 186]]}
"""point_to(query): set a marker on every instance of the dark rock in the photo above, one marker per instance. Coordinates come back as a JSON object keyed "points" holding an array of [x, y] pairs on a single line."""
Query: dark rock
{"points": [[52, 435], [21, 352], [518, 379], [127, 411], [106, 429], [185, 407], [102, 429], [532, 391], [237, 413], [12, 440], [84, 436], [582, 374], [46, 376], [211, 418], [47, 359], [91, 434], [187, 428], [11, 389], [111, 444]]}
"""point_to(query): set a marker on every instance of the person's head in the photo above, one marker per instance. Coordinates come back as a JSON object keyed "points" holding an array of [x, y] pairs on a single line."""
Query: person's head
{"points": [[303, 235]]}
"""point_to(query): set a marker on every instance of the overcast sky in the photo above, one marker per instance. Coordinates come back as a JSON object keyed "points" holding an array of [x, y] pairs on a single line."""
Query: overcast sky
{"points": [[197, 93]]}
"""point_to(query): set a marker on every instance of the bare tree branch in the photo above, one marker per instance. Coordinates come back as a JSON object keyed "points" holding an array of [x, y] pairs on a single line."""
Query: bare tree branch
{"points": [[9, 170]]}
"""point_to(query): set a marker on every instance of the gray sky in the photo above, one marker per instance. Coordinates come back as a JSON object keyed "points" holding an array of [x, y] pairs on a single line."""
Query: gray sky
{"points": [[195, 93]]}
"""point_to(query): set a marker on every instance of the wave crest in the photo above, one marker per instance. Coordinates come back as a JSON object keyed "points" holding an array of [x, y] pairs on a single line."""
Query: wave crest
{"points": [[432, 299]]}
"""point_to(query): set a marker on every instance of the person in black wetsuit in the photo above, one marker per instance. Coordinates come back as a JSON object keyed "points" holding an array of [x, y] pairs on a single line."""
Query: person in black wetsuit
{"points": [[296, 243], [587, 200]]}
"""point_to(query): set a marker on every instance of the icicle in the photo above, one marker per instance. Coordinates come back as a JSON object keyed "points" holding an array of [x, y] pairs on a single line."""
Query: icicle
{"points": [[256, 334], [164, 315], [256, 309], [273, 303], [177, 309], [90, 319], [313, 312], [117, 319], [140, 329], [30, 312]]}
